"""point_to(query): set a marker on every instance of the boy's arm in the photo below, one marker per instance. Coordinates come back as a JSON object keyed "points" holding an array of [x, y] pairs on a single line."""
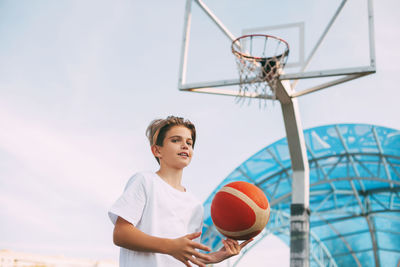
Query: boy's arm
{"points": [[231, 248], [183, 249]]}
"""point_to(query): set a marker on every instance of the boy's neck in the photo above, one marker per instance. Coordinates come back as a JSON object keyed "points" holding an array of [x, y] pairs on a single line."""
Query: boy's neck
{"points": [[173, 177]]}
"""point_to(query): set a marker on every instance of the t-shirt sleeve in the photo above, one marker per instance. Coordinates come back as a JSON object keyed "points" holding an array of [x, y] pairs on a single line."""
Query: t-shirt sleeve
{"points": [[131, 203]]}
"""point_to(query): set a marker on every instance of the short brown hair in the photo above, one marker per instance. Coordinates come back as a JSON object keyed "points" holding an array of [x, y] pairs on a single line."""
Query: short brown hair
{"points": [[158, 128]]}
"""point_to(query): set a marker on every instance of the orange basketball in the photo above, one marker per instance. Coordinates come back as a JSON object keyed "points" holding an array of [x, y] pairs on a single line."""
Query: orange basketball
{"points": [[240, 210]]}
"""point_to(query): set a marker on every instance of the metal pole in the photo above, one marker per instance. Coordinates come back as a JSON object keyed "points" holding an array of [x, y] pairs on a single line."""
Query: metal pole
{"points": [[299, 209], [215, 19], [185, 43]]}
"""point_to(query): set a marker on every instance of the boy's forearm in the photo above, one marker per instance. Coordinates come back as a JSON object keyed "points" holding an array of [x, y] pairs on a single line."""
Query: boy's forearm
{"points": [[183, 248], [215, 257], [129, 237]]}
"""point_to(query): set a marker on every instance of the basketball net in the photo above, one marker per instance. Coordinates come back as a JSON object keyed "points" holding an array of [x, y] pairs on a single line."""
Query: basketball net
{"points": [[260, 59]]}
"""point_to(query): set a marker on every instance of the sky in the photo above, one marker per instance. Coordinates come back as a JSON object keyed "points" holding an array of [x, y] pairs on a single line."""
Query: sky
{"points": [[81, 80]]}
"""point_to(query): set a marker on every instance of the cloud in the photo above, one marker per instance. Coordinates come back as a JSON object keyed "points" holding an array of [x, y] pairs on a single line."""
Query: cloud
{"points": [[80, 161]]}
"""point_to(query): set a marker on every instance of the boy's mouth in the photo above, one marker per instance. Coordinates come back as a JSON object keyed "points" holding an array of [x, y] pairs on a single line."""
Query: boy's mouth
{"points": [[184, 154]]}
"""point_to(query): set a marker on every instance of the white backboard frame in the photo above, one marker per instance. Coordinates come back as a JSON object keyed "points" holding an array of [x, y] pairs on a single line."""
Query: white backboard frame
{"points": [[217, 87]]}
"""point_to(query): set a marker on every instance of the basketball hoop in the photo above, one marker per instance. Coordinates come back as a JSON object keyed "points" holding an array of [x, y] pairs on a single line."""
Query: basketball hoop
{"points": [[260, 59]]}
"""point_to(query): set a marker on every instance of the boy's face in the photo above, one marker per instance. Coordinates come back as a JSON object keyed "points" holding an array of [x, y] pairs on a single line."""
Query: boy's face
{"points": [[177, 149]]}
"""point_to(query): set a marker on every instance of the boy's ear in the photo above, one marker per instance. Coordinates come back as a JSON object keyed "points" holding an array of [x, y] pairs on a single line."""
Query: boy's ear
{"points": [[156, 151]]}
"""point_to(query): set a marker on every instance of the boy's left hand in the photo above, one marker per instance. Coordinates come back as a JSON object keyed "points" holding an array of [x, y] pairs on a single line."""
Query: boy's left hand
{"points": [[231, 248]]}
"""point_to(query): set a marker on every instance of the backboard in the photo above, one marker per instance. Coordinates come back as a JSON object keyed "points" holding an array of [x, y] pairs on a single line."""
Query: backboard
{"points": [[330, 42]]}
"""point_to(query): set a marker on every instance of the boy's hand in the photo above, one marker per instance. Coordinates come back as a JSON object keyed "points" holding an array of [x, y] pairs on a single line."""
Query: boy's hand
{"points": [[184, 250], [231, 248]]}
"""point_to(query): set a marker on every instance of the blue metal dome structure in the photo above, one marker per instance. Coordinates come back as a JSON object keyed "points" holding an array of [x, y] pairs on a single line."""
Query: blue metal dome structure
{"points": [[354, 194]]}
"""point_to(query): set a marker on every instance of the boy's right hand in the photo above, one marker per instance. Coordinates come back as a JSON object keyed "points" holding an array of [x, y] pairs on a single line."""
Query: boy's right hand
{"points": [[184, 250]]}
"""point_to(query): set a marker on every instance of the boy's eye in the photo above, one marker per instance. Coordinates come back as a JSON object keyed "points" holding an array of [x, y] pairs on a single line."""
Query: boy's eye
{"points": [[189, 143]]}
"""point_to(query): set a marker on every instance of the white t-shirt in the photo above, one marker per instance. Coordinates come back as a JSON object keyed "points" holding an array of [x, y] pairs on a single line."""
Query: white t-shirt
{"points": [[157, 209]]}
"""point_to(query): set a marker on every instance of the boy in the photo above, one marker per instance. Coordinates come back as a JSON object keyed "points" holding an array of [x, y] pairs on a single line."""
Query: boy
{"points": [[157, 221]]}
